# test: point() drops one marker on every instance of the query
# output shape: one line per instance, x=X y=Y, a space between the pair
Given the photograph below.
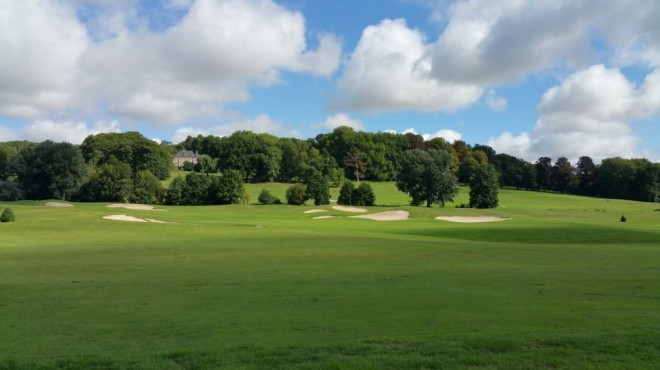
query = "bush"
x=296 y=194
x=7 y=216
x=265 y=197
x=346 y=193
x=364 y=195
x=623 y=219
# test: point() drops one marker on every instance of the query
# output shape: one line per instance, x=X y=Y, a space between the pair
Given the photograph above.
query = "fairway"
x=561 y=284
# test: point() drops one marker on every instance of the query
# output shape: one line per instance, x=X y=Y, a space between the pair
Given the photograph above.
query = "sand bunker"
x=471 y=219
x=386 y=216
x=323 y=217
x=139 y=207
x=316 y=211
x=349 y=209
x=133 y=219
x=58 y=204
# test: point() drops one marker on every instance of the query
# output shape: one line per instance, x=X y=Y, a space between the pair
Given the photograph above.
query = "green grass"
x=563 y=284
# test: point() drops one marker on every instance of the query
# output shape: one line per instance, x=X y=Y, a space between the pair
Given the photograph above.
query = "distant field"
x=563 y=284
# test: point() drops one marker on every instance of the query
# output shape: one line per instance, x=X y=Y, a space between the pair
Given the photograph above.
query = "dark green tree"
x=205 y=164
x=363 y=195
x=49 y=170
x=227 y=189
x=265 y=197
x=563 y=176
x=10 y=191
x=296 y=194
x=426 y=176
x=484 y=187
x=112 y=182
x=147 y=189
x=544 y=173
x=317 y=188
x=586 y=176
x=346 y=193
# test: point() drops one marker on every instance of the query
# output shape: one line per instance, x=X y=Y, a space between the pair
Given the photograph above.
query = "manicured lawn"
x=563 y=284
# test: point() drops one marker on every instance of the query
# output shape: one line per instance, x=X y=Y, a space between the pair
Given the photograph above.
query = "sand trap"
x=139 y=207
x=386 y=216
x=59 y=204
x=132 y=219
x=349 y=209
x=323 y=217
x=471 y=219
x=316 y=211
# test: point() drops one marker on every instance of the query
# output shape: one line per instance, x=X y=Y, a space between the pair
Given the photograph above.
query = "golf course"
x=557 y=282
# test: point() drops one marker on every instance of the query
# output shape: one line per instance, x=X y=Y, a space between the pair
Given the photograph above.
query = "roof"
x=185 y=153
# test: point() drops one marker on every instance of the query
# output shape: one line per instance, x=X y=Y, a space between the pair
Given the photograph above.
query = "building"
x=184 y=156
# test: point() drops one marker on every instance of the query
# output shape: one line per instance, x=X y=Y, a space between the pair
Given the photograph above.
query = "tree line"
x=127 y=167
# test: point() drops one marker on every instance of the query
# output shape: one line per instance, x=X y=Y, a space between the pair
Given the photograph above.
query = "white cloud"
x=61 y=130
x=386 y=72
x=489 y=43
x=8 y=134
x=495 y=102
x=259 y=124
x=341 y=119
x=212 y=56
x=589 y=113
x=447 y=134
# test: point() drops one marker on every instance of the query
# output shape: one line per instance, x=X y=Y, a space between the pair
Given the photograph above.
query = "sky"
x=530 y=78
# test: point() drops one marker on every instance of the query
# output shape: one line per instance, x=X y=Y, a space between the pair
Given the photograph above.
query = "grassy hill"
x=562 y=284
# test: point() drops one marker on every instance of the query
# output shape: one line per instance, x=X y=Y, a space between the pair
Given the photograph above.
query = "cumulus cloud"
x=589 y=113
x=114 y=62
x=8 y=134
x=386 y=72
x=447 y=134
x=495 y=102
x=259 y=124
x=341 y=119
x=69 y=131
x=486 y=44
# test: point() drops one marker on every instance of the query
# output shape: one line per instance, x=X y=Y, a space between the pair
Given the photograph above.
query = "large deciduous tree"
x=426 y=176
x=49 y=170
x=544 y=173
x=563 y=176
x=484 y=187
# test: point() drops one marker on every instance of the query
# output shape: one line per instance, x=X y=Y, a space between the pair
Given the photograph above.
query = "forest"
x=128 y=167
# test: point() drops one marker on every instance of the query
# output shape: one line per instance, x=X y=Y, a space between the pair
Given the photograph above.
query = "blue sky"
x=530 y=78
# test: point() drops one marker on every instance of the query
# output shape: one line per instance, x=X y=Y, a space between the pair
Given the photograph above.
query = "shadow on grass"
x=544 y=235
x=553 y=352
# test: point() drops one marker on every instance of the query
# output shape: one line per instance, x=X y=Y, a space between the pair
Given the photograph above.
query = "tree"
x=296 y=194
x=586 y=176
x=10 y=191
x=228 y=189
x=132 y=148
x=563 y=176
x=146 y=188
x=346 y=193
x=7 y=216
x=426 y=176
x=317 y=188
x=544 y=173
x=49 y=170
x=265 y=197
x=363 y=195
x=354 y=159
x=484 y=187
x=112 y=182
x=205 y=164
x=4 y=159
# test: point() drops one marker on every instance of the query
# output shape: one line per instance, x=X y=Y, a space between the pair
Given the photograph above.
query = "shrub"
x=364 y=195
x=623 y=219
x=346 y=193
x=265 y=197
x=7 y=216
x=296 y=194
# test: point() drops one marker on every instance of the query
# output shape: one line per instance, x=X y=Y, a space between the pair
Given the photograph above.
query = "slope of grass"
x=563 y=284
